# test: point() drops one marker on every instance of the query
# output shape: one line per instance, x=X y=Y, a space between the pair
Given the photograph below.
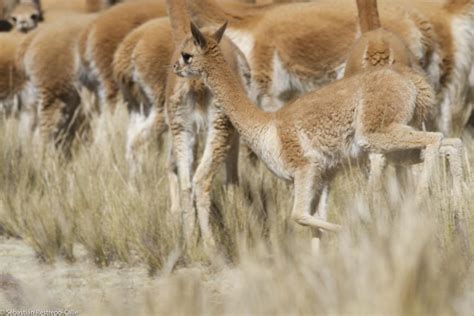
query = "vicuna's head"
x=197 y=51
x=26 y=16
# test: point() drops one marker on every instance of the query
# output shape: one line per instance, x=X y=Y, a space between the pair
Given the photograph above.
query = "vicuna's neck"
x=231 y=97
x=209 y=13
x=368 y=15
x=179 y=18
x=463 y=7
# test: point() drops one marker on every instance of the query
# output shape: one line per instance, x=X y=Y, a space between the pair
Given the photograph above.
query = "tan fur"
x=100 y=41
x=85 y=6
x=46 y=58
x=6 y=7
x=369 y=19
x=50 y=64
x=28 y=13
x=11 y=78
x=327 y=30
x=141 y=66
x=309 y=139
x=377 y=48
x=456 y=65
x=153 y=35
x=187 y=99
x=25 y=17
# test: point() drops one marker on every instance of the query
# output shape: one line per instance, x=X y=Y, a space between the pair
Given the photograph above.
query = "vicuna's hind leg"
x=183 y=142
x=109 y=94
x=377 y=167
x=401 y=137
x=144 y=130
x=28 y=116
x=218 y=143
x=232 y=161
x=59 y=118
x=453 y=149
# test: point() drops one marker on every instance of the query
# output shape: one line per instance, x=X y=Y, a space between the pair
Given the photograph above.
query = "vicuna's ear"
x=199 y=39
x=5 y=26
x=220 y=33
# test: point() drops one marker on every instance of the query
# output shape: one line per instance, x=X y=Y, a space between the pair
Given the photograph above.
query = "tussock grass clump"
x=391 y=257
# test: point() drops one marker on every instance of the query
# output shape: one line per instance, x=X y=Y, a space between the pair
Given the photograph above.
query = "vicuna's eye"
x=187 y=58
x=34 y=17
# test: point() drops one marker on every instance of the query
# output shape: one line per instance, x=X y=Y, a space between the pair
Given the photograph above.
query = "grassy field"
x=82 y=236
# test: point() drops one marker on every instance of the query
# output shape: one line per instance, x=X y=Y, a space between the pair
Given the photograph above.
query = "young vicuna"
x=141 y=69
x=190 y=105
x=308 y=140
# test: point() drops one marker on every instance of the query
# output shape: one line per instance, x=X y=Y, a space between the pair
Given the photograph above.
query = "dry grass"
x=391 y=258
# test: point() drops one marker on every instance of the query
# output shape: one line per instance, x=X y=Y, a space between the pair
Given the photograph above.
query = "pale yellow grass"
x=81 y=235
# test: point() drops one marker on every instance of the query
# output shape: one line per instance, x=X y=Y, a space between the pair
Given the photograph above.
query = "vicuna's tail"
x=369 y=19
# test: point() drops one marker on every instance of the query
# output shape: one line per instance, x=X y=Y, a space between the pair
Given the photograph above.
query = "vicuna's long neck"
x=99 y=5
x=368 y=15
x=178 y=15
x=2 y=9
x=230 y=95
x=94 y=5
x=464 y=7
x=210 y=13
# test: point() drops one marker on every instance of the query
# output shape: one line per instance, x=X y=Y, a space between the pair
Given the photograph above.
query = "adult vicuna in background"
x=307 y=141
x=27 y=14
x=141 y=64
x=100 y=40
x=190 y=106
x=288 y=59
x=438 y=33
x=48 y=58
x=453 y=23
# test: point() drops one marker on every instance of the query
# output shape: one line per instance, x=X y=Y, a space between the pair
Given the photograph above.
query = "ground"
x=83 y=236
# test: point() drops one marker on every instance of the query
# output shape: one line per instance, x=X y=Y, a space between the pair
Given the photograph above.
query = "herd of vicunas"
x=309 y=87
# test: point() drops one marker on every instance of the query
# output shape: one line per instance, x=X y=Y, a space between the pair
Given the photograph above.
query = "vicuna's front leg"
x=183 y=142
x=321 y=208
x=453 y=149
x=232 y=161
x=218 y=142
x=308 y=186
